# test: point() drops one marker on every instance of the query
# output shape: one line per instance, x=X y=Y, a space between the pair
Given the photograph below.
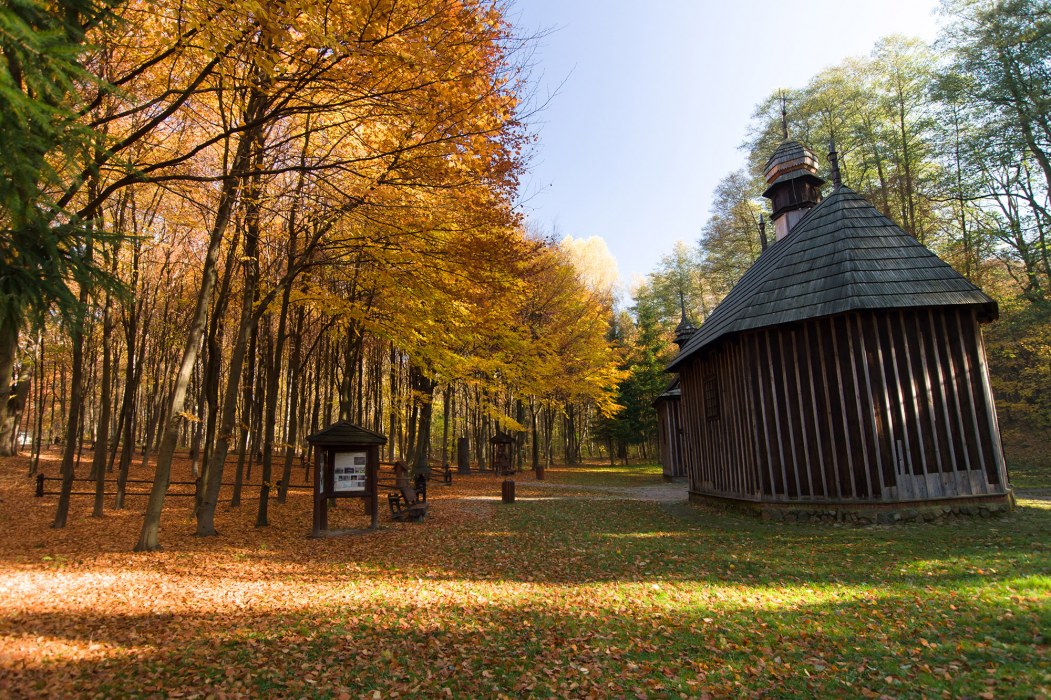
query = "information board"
x=349 y=473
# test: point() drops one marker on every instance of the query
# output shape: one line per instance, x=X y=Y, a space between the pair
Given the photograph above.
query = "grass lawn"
x=556 y=595
x=630 y=475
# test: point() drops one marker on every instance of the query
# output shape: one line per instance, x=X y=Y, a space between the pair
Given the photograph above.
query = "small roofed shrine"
x=502 y=450
x=844 y=376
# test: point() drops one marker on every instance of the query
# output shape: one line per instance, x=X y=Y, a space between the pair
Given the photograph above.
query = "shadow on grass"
x=650 y=642
x=582 y=541
x=568 y=598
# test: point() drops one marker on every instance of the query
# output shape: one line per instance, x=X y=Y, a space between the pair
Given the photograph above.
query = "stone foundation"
x=859 y=514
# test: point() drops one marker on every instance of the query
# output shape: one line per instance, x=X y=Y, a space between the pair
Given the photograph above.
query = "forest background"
x=227 y=225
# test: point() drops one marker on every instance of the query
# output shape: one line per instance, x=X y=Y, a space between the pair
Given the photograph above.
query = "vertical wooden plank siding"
x=995 y=443
x=972 y=399
x=832 y=465
x=737 y=406
x=790 y=421
x=952 y=385
x=918 y=413
x=728 y=409
x=891 y=438
x=943 y=395
x=863 y=448
x=899 y=397
x=801 y=417
x=669 y=425
x=748 y=377
x=874 y=417
x=815 y=415
x=983 y=404
x=720 y=431
x=703 y=456
x=862 y=407
x=933 y=485
x=778 y=432
x=678 y=449
x=962 y=386
x=760 y=373
x=690 y=381
x=842 y=393
x=663 y=443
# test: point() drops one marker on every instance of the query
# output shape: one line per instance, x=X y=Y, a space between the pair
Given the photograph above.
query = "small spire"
x=784 y=115
x=762 y=231
x=833 y=159
x=685 y=329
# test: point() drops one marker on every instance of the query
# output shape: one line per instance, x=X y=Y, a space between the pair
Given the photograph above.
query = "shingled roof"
x=346 y=433
x=674 y=391
x=842 y=256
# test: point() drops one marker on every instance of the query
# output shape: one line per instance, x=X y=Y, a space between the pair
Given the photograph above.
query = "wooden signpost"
x=347 y=460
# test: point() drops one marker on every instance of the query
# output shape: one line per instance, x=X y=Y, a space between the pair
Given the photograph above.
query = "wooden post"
x=372 y=484
x=319 y=501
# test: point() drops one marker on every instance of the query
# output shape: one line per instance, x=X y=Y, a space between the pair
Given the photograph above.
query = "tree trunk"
x=262 y=515
x=148 y=537
x=247 y=411
x=294 y=371
x=98 y=464
x=245 y=340
x=8 y=406
x=446 y=407
x=424 y=388
x=39 y=432
x=76 y=401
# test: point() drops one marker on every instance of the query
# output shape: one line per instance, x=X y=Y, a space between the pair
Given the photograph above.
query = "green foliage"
x=730 y=239
x=877 y=110
x=999 y=54
x=1019 y=348
x=645 y=352
x=44 y=252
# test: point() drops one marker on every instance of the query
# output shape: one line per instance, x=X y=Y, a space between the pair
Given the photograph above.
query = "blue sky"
x=650 y=102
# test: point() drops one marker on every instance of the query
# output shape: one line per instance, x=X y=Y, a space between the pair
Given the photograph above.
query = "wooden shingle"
x=842 y=256
x=346 y=433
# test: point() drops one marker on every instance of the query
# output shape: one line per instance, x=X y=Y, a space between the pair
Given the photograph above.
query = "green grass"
x=578 y=597
x=629 y=475
x=806 y=610
x=1028 y=458
x=1029 y=475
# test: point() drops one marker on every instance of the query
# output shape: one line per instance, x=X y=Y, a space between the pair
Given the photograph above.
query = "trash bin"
x=507 y=490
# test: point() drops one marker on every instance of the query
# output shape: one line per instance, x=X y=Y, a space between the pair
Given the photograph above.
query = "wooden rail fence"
x=41 y=487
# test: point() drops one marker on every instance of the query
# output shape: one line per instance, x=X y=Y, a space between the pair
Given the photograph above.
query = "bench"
x=402 y=510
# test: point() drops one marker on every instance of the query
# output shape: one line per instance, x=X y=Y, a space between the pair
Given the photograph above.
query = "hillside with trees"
x=951 y=141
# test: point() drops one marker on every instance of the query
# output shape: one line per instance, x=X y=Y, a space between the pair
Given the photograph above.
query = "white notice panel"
x=349 y=472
